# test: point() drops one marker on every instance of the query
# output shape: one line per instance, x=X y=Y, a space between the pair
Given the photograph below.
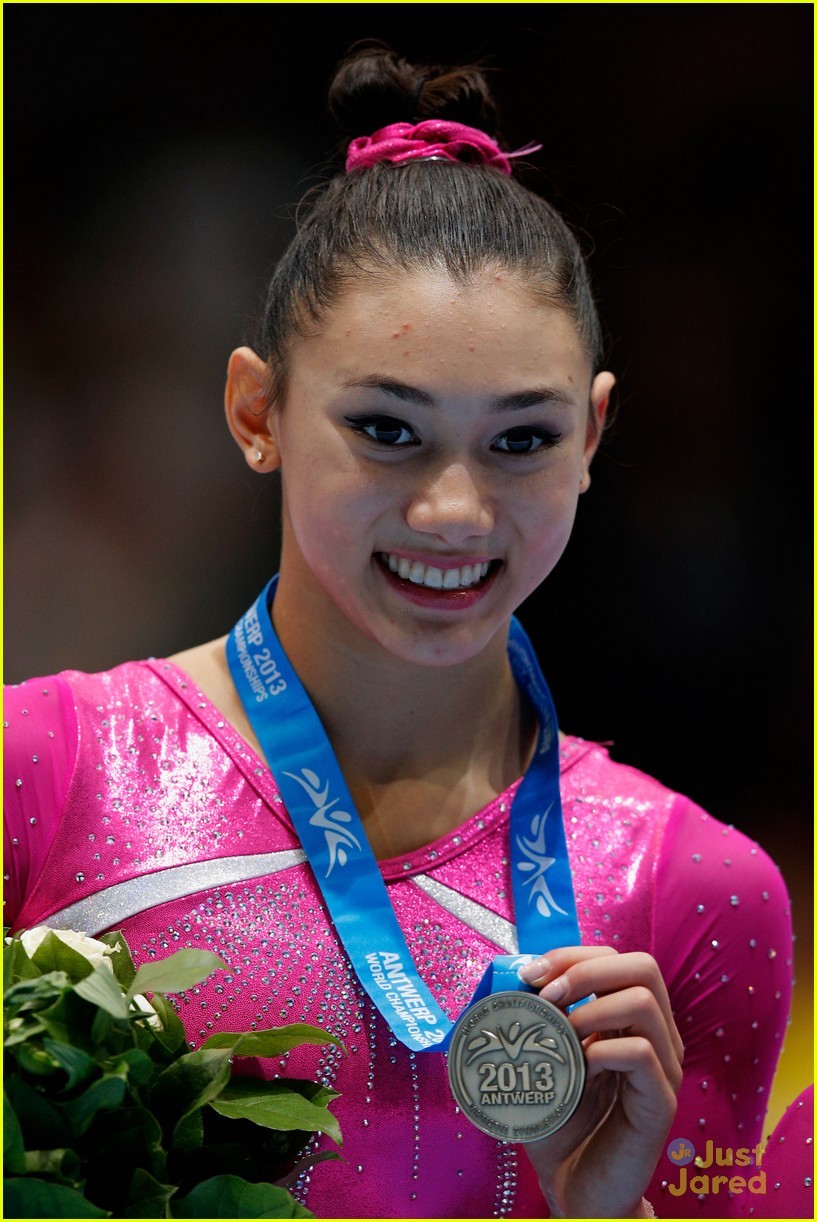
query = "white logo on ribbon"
x=338 y=839
x=536 y=864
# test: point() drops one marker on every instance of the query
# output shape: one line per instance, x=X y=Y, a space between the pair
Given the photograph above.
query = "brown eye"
x=385 y=430
x=524 y=441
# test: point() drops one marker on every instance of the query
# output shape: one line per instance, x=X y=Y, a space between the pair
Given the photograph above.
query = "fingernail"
x=535 y=971
x=555 y=990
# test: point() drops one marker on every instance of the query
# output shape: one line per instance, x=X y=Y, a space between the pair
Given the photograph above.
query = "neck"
x=455 y=735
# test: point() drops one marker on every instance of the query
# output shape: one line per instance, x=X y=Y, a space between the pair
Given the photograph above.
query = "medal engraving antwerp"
x=516 y=1066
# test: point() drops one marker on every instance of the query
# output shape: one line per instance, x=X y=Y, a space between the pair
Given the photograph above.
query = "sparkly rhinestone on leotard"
x=131 y=804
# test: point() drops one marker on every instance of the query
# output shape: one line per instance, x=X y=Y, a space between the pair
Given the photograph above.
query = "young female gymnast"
x=359 y=798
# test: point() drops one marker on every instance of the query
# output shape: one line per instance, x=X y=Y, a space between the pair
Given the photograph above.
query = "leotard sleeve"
x=788 y=1163
x=39 y=753
x=723 y=939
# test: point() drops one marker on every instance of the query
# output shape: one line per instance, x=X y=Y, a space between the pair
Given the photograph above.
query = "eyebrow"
x=534 y=397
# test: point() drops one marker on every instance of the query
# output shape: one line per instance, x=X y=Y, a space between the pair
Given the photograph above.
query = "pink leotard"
x=131 y=804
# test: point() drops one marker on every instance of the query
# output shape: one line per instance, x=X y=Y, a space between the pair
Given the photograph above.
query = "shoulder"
x=78 y=685
x=45 y=720
x=693 y=853
x=721 y=912
x=706 y=856
x=690 y=832
x=720 y=908
x=588 y=766
x=45 y=717
x=609 y=801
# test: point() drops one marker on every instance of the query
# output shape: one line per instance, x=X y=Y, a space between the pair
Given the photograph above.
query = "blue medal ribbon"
x=323 y=813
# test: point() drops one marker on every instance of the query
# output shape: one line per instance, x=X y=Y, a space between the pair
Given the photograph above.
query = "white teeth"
x=433 y=578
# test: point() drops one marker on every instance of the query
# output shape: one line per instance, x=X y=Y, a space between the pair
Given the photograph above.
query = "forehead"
x=429 y=325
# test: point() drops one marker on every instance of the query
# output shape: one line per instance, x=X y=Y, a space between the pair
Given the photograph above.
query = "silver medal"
x=516 y=1066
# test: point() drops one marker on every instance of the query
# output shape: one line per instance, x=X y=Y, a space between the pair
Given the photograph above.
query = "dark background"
x=153 y=157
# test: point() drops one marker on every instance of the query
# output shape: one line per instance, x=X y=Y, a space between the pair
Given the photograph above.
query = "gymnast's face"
x=433 y=444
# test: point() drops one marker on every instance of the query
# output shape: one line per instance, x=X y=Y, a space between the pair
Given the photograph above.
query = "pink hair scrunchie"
x=431 y=138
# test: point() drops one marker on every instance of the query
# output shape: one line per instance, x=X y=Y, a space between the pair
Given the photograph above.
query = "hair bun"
x=373 y=87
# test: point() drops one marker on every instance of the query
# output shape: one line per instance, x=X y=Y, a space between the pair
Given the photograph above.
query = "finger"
x=604 y=974
x=558 y=960
x=647 y=1097
x=632 y=1012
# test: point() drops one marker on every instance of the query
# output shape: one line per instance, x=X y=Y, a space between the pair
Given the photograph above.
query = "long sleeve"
x=787 y=1189
x=723 y=939
x=39 y=752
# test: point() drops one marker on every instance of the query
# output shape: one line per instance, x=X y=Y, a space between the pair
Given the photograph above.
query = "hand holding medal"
x=633 y=1054
x=516 y=1066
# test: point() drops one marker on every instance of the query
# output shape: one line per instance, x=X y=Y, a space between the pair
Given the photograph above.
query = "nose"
x=451 y=505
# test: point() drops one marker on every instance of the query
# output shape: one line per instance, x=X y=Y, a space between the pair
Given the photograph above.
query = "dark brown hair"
x=425 y=214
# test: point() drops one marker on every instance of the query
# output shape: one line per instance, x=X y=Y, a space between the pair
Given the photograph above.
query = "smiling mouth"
x=467 y=577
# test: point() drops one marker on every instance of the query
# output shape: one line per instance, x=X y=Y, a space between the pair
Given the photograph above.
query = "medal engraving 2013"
x=516 y=1066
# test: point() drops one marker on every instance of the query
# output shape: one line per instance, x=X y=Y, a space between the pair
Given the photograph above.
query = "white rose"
x=92 y=950
x=141 y=1002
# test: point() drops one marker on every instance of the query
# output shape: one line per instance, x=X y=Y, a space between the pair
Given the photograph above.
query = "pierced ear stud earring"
x=259 y=455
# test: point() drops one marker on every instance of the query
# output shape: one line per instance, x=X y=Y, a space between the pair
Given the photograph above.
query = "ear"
x=600 y=391
x=248 y=415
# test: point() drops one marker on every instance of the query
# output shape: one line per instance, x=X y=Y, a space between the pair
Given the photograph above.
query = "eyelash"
x=362 y=425
x=367 y=425
x=523 y=434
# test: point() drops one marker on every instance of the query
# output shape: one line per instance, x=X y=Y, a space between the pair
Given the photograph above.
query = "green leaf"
x=108 y=1092
x=179 y=971
x=67 y=1021
x=147 y=1198
x=132 y=1064
x=29 y=1197
x=16 y=964
x=77 y=1064
x=228 y=1196
x=60 y=1164
x=128 y=1137
x=129 y=1127
x=121 y=961
x=54 y=955
x=189 y=1134
x=104 y=1028
x=269 y=1043
x=102 y=989
x=171 y=1035
x=23 y=1027
x=316 y=1092
x=43 y=1125
x=33 y=1059
x=13 y=1145
x=276 y=1105
x=190 y=1082
x=35 y=994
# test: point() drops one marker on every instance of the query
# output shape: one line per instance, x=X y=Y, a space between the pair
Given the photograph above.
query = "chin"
x=440 y=649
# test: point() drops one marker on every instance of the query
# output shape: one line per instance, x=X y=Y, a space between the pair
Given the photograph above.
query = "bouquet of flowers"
x=108 y=1113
